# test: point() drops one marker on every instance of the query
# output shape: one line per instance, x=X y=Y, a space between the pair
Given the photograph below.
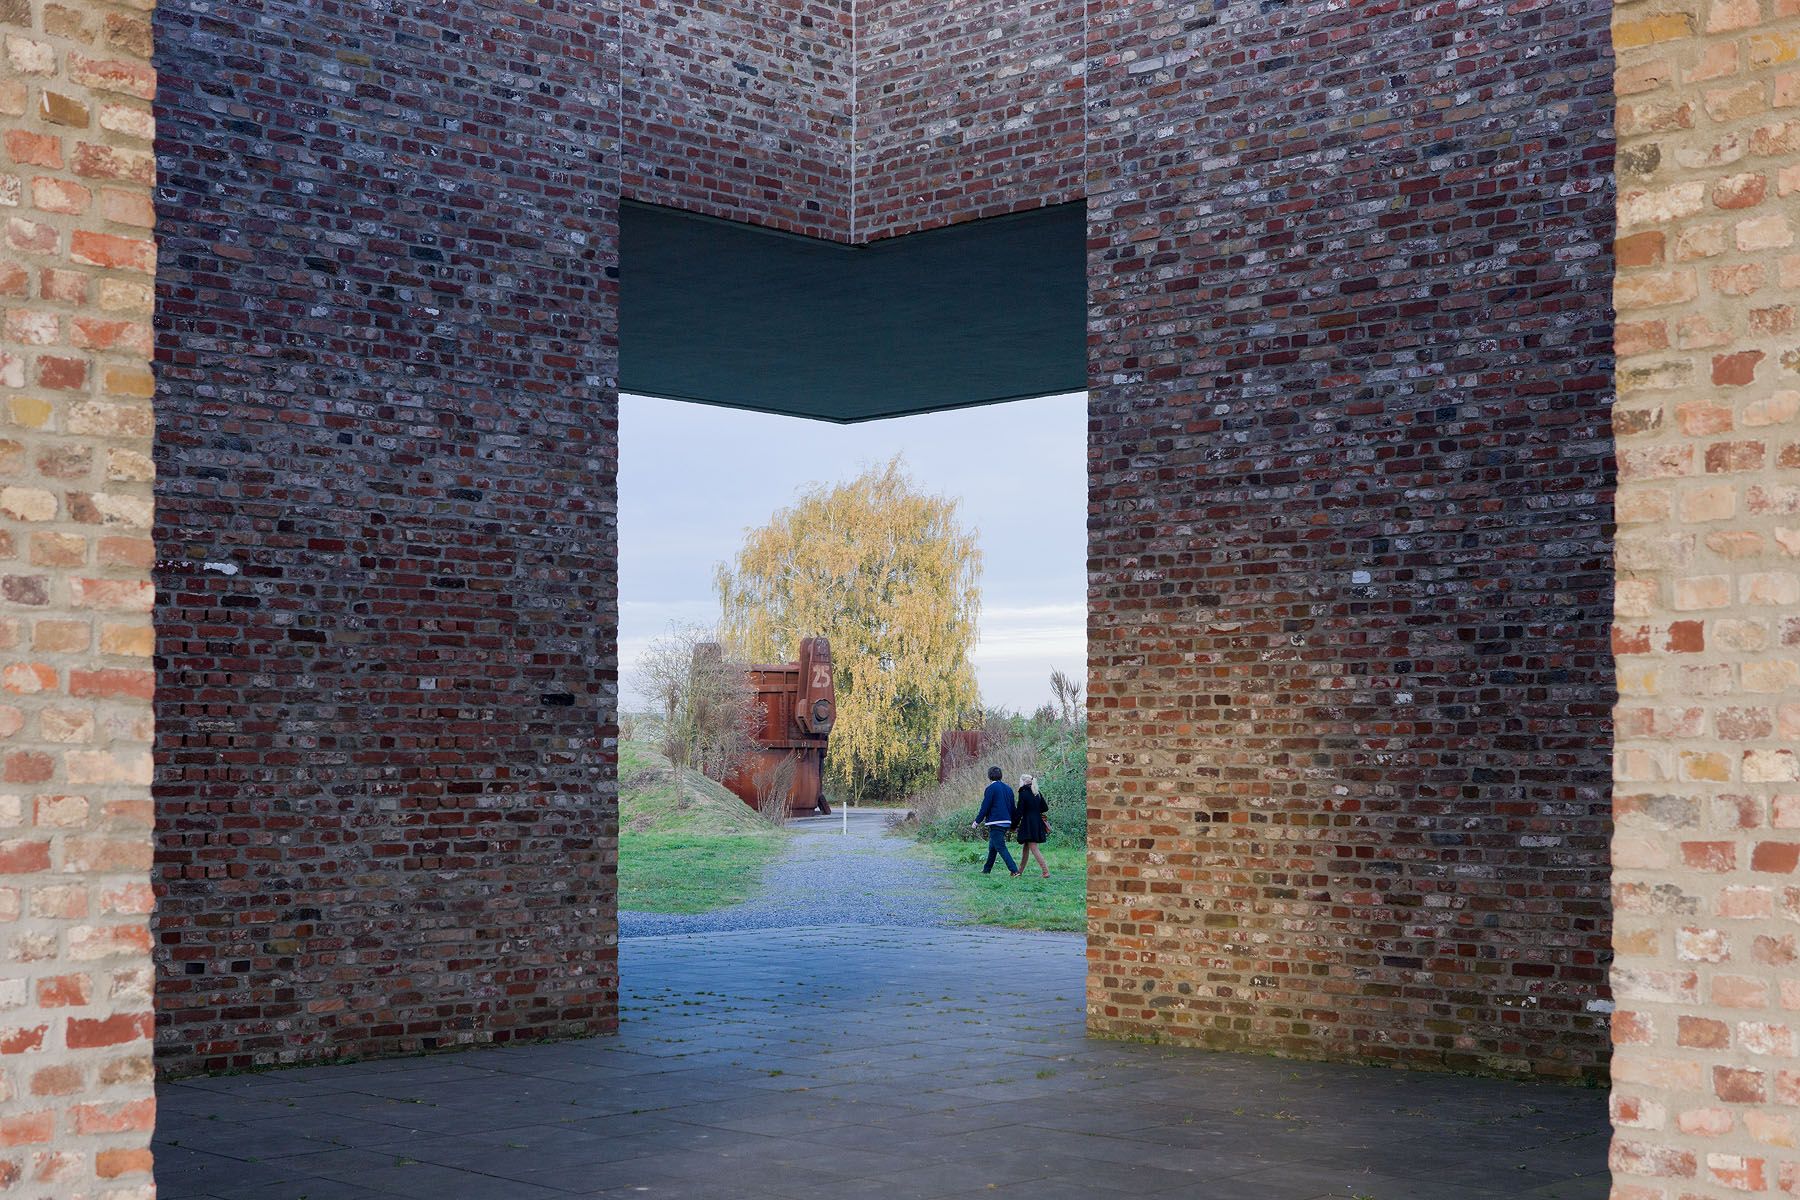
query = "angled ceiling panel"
x=733 y=314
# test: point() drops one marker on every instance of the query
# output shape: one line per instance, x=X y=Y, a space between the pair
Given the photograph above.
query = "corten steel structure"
x=1348 y=271
x=959 y=748
x=796 y=706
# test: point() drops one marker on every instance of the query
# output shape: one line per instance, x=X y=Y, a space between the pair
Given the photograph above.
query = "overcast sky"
x=693 y=478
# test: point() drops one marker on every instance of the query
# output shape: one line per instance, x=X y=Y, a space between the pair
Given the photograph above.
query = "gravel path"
x=826 y=877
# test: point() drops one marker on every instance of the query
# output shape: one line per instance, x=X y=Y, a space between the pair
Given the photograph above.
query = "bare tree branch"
x=706 y=711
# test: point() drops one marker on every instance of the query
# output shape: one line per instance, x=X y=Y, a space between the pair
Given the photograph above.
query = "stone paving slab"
x=849 y=1061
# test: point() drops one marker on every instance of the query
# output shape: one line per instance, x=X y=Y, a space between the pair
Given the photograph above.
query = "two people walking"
x=1003 y=812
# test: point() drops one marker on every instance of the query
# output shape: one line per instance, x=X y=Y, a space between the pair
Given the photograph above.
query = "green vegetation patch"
x=1029 y=902
x=685 y=849
x=649 y=801
x=1056 y=751
x=691 y=872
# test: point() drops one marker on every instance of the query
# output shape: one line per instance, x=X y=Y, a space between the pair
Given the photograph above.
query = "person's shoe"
x=1016 y=874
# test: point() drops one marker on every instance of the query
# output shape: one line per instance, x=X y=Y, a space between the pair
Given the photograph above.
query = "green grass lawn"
x=685 y=849
x=1030 y=902
x=691 y=872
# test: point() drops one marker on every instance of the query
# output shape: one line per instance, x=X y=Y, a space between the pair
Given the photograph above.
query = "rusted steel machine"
x=959 y=748
x=796 y=704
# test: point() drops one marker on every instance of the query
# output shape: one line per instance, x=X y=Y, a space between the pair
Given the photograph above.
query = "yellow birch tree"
x=893 y=579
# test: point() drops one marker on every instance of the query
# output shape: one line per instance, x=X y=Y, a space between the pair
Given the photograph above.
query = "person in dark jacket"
x=997 y=814
x=1033 y=823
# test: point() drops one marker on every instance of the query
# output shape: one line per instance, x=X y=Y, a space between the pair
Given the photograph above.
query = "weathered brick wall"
x=1351 y=483
x=75 y=597
x=386 y=443
x=1351 y=571
x=853 y=121
x=741 y=109
x=966 y=109
x=1707 y=1068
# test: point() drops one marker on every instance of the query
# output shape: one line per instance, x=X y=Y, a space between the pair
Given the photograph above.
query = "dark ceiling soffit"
x=856 y=420
x=740 y=316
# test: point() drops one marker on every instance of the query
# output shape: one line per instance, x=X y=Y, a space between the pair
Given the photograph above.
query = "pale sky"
x=694 y=478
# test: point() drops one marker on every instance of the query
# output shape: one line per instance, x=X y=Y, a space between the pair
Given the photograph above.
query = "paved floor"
x=827 y=877
x=856 y=1062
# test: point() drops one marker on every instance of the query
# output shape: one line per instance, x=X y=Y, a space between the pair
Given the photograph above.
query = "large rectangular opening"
x=941 y=558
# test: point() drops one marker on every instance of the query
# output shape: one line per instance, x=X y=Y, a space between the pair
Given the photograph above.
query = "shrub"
x=1063 y=781
x=1056 y=754
x=774 y=783
x=961 y=791
x=951 y=827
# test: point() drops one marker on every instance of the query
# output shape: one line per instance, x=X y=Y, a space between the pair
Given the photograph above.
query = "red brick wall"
x=1351 y=568
x=386 y=441
x=965 y=110
x=741 y=109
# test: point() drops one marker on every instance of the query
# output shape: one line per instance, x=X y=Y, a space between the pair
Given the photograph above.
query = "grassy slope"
x=688 y=850
x=1030 y=902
